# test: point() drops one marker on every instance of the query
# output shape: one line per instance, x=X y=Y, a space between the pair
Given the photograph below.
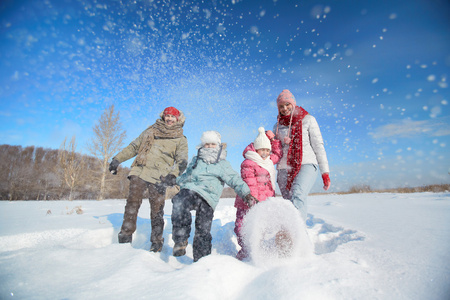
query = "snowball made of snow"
x=273 y=230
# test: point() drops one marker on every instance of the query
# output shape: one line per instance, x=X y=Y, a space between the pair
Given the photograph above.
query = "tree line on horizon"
x=37 y=173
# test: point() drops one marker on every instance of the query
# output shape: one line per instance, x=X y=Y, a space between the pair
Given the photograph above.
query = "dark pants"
x=183 y=203
x=134 y=201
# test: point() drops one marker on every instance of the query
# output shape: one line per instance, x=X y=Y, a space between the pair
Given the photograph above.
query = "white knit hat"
x=262 y=141
x=210 y=137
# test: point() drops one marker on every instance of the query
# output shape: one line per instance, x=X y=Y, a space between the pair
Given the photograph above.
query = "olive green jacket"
x=165 y=156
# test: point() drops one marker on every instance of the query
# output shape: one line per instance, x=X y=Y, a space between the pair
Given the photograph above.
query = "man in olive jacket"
x=161 y=155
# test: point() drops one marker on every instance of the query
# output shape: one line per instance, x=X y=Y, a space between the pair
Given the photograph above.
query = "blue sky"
x=373 y=73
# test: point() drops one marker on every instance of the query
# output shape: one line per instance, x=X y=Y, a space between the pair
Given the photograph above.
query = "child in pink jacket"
x=258 y=171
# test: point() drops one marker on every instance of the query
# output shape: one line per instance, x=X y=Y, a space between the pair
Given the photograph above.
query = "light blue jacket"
x=208 y=180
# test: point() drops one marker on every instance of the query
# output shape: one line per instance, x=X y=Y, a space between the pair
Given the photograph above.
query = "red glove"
x=270 y=134
x=326 y=181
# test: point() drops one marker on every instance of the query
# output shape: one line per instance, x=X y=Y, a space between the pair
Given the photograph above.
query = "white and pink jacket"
x=258 y=178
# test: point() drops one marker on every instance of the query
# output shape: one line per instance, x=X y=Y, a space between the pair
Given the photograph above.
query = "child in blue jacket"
x=200 y=189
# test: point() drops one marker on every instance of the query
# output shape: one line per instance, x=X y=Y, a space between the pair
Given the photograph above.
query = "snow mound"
x=275 y=232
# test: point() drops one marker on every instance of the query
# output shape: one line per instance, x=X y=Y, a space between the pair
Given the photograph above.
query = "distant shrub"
x=433 y=188
x=76 y=209
x=360 y=189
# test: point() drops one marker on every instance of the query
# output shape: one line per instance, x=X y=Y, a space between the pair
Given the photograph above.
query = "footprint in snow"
x=327 y=237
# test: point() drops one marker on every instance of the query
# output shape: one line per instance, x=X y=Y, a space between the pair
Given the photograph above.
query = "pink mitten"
x=270 y=134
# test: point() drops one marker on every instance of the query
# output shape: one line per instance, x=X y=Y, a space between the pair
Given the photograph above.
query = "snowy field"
x=366 y=246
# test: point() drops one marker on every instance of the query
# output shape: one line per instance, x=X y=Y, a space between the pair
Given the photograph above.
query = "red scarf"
x=295 y=153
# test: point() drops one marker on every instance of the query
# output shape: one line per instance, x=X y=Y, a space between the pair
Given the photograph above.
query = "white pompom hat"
x=210 y=137
x=262 y=141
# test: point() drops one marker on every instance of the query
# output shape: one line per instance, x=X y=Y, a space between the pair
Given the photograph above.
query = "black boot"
x=125 y=238
x=157 y=247
x=180 y=248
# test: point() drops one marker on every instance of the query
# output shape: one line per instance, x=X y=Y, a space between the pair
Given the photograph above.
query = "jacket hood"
x=250 y=147
x=223 y=154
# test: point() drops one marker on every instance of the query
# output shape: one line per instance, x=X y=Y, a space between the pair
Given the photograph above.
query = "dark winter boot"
x=242 y=255
x=156 y=236
x=157 y=247
x=180 y=248
x=125 y=238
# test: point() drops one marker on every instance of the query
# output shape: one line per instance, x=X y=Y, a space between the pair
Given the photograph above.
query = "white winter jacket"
x=313 y=149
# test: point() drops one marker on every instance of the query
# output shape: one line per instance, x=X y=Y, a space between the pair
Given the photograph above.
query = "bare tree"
x=44 y=178
x=107 y=140
x=71 y=165
x=52 y=166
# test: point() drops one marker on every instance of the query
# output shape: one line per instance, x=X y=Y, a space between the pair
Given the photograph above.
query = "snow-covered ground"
x=366 y=246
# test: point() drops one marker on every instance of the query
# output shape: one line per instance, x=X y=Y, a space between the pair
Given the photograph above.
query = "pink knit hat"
x=286 y=97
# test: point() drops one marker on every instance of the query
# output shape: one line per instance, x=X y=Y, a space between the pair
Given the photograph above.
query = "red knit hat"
x=172 y=111
x=286 y=97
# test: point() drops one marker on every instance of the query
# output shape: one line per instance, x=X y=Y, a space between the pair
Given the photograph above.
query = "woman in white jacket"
x=303 y=152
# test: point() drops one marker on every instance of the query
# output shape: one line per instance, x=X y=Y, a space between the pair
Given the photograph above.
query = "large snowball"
x=274 y=231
